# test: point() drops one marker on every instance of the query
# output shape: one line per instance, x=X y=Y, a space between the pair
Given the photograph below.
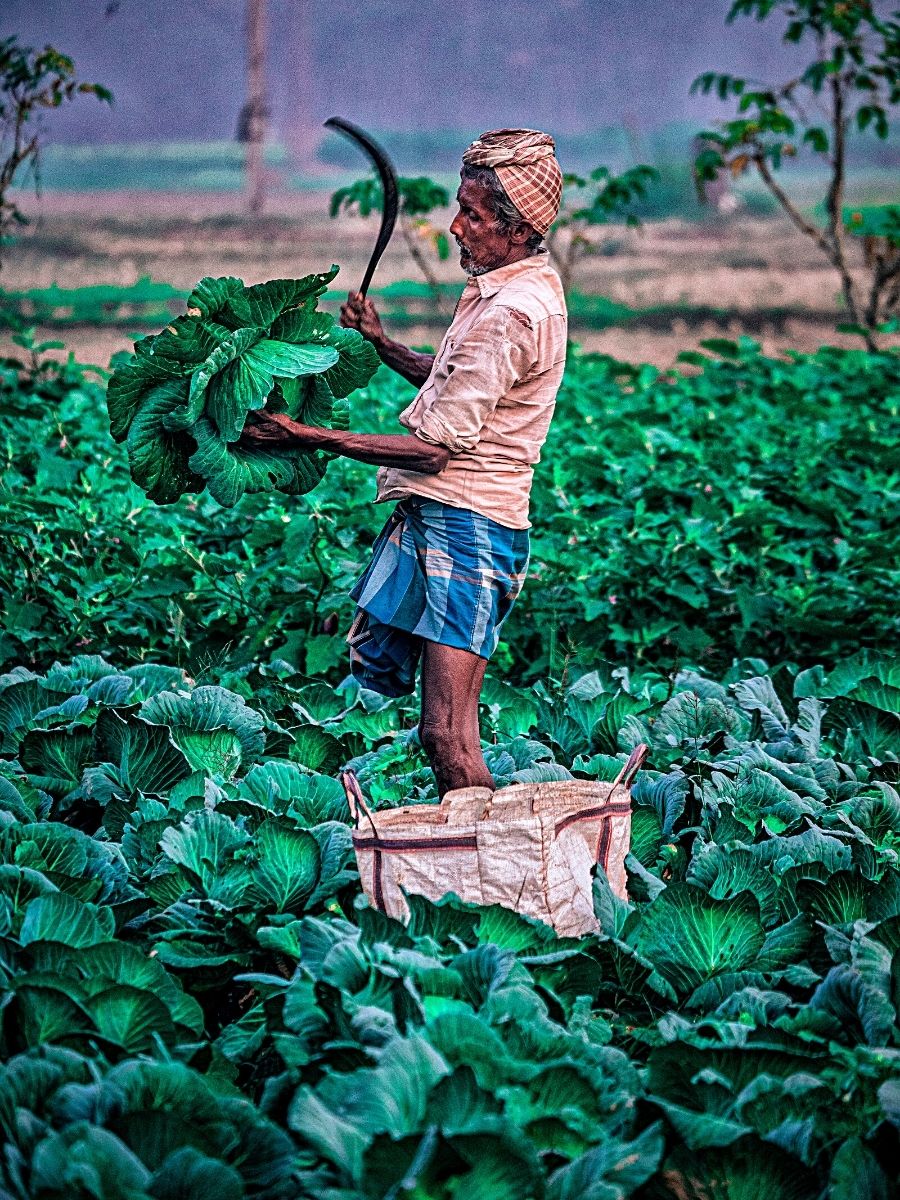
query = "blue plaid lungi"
x=438 y=574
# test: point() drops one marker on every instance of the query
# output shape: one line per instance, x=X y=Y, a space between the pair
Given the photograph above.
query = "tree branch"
x=422 y=263
x=807 y=227
x=836 y=202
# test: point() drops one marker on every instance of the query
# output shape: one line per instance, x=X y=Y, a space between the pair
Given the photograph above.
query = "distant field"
x=218 y=166
x=649 y=294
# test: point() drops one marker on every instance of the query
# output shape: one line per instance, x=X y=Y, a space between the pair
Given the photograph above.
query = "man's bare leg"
x=448 y=728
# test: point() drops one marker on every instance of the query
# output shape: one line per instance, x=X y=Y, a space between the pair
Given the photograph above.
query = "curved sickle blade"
x=388 y=185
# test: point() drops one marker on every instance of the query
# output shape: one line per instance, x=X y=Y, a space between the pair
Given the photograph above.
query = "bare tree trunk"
x=303 y=132
x=835 y=205
x=825 y=243
x=566 y=254
x=256 y=104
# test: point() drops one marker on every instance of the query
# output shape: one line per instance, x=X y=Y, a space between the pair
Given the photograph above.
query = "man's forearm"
x=381 y=450
x=412 y=365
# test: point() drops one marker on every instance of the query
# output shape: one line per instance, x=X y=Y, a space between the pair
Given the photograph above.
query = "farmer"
x=451 y=559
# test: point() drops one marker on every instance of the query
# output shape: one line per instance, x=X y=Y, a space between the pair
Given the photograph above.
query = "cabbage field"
x=197 y=1001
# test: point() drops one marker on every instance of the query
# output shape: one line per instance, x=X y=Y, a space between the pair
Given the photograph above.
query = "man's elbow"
x=437 y=459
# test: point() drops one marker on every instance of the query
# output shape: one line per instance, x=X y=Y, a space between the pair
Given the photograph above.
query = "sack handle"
x=355 y=800
x=636 y=760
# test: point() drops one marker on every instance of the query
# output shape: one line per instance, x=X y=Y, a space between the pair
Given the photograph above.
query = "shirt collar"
x=490 y=283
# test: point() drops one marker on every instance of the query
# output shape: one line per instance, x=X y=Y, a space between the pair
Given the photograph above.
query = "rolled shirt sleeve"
x=492 y=357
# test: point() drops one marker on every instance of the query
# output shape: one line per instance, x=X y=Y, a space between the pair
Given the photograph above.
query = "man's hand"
x=260 y=432
x=275 y=431
x=358 y=312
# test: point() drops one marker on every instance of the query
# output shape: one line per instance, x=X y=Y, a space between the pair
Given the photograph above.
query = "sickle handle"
x=388 y=185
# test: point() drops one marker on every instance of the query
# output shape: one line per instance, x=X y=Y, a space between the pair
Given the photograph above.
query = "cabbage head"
x=179 y=403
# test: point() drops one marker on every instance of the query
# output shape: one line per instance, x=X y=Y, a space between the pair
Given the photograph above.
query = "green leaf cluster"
x=195 y=996
x=609 y=197
x=855 y=52
x=181 y=401
x=850 y=85
x=418 y=196
x=740 y=505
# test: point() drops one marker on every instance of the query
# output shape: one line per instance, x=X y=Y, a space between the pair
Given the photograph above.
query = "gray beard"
x=473 y=268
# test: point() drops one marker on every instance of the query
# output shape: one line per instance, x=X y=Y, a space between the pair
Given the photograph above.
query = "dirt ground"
x=769 y=278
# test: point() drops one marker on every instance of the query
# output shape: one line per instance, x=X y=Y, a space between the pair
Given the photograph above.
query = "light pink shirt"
x=491 y=393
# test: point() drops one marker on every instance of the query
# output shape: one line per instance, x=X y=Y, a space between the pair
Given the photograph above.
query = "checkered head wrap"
x=525 y=162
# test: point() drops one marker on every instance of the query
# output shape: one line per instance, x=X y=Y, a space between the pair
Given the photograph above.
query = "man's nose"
x=456 y=225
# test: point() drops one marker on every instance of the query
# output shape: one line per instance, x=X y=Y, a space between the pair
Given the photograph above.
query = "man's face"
x=481 y=245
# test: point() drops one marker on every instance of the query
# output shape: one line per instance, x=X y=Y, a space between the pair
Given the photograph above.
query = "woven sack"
x=530 y=847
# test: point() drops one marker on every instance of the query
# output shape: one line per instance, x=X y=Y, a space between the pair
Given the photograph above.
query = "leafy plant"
x=29 y=81
x=195 y=996
x=851 y=83
x=418 y=198
x=146 y=302
x=137 y=1129
x=743 y=507
x=600 y=199
x=181 y=401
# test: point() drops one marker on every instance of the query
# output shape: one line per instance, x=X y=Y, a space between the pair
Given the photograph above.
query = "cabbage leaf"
x=181 y=401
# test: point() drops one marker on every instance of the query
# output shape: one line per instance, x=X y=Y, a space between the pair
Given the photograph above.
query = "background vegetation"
x=196 y=996
x=740 y=506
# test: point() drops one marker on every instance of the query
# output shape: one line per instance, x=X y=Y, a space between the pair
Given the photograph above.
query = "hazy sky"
x=177 y=69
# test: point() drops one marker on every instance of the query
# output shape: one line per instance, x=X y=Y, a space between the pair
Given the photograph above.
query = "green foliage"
x=745 y=508
x=881 y=221
x=196 y=999
x=605 y=197
x=181 y=400
x=851 y=83
x=599 y=199
x=690 y=511
x=855 y=50
x=419 y=197
x=30 y=80
x=146 y=302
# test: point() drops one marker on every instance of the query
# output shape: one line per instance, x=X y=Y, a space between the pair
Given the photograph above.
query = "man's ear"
x=520 y=234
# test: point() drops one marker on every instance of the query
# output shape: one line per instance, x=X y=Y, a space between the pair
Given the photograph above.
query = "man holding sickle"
x=453 y=555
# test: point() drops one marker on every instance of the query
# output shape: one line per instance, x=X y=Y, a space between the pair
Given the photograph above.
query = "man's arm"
x=275 y=431
x=359 y=313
